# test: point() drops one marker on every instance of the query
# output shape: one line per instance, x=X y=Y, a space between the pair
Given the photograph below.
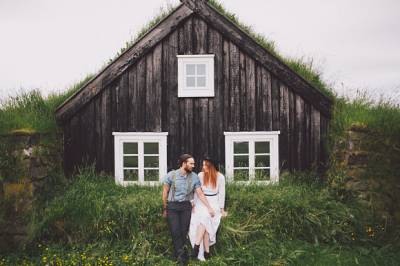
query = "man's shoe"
x=195 y=251
x=207 y=255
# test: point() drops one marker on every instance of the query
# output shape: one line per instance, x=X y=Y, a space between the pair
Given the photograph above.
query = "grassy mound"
x=95 y=221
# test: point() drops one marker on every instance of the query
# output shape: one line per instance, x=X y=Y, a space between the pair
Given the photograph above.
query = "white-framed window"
x=252 y=156
x=140 y=158
x=196 y=75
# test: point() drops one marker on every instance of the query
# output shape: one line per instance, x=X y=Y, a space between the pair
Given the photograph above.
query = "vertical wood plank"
x=299 y=131
x=216 y=105
x=316 y=130
x=265 y=94
x=200 y=115
x=292 y=130
x=141 y=87
x=67 y=143
x=275 y=103
x=227 y=86
x=185 y=46
x=323 y=143
x=173 y=117
x=89 y=129
x=123 y=109
x=157 y=88
x=251 y=94
x=284 y=137
x=133 y=99
x=98 y=137
x=235 y=83
x=114 y=88
x=75 y=143
x=83 y=138
x=258 y=106
x=307 y=135
x=106 y=131
x=150 y=124
x=243 y=126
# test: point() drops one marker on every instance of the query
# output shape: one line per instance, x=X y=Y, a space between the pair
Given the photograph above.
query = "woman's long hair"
x=210 y=176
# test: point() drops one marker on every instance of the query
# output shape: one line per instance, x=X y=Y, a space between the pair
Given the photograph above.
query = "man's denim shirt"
x=181 y=192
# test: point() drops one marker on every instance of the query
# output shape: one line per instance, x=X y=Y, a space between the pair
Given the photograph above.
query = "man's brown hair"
x=183 y=159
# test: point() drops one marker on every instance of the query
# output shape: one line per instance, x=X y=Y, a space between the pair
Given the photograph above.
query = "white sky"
x=51 y=44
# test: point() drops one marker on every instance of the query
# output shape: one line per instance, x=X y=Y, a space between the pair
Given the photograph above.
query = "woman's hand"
x=164 y=213
x=211 y=212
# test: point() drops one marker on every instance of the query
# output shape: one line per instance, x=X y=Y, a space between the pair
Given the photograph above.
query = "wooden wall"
x=247 y=98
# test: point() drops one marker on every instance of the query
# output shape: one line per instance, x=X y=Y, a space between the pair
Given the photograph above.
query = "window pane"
x=262 y=174
x=150 y=161
x=130 y=148
x=240 y=147
x=262 y=161
x=241 y=174
x=131 y=175
x=190 y=82
x=190 y=69
x=262 y=147
x=151 y=148
x=151 y=175
x=241 y=161
x=201 y=81
x=130 y=161
x=201 y=69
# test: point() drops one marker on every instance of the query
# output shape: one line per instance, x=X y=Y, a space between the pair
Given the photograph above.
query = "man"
x=178 y=190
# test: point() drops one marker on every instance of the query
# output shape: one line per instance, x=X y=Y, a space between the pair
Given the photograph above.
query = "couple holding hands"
x=193 y=205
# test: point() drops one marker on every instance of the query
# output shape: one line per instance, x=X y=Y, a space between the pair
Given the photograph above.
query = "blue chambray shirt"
x=181 y=192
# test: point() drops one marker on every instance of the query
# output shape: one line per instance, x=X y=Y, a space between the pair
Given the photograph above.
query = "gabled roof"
x=227 y=28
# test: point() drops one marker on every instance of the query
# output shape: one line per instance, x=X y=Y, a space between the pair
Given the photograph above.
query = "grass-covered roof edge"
x=301 y=69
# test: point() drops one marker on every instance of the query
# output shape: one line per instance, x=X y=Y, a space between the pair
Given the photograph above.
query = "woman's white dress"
x=200 y=214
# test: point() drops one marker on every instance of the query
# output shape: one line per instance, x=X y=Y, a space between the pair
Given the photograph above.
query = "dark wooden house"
x=195 y=83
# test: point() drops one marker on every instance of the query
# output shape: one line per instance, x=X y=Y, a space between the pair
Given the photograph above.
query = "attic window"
x=196 y=75
x=252 y=156
x=140 y=158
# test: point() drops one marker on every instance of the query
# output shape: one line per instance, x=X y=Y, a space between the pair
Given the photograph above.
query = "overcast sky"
x=51 y=44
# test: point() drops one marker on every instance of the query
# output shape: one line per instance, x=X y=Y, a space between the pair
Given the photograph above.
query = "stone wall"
x=28 y=162
x=366 y=167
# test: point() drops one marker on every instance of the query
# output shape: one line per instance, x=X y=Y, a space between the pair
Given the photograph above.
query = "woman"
x=203 y=227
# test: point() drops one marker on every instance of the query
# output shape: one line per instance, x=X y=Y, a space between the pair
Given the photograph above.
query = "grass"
x=94 y=221
x=32 y=112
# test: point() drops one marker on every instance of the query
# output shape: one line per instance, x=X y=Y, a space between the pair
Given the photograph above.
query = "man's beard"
x=188 y=170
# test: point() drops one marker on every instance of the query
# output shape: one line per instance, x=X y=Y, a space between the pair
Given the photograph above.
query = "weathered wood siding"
x=247 y=98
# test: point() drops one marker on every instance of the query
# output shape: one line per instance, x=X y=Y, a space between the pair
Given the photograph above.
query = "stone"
x=357 y=185
x=38 y=172
x=358 y=158
x=11 y=189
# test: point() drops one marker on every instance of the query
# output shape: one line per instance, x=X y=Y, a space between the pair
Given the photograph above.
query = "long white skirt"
x=200 y=215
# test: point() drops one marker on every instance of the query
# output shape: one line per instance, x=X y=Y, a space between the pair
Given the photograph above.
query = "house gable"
x=168 y=25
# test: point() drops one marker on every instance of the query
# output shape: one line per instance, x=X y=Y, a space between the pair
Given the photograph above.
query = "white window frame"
x=140 y=137
x=208 y=90
x=252 y=137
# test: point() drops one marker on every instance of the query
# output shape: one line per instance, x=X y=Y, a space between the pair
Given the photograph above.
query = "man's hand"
x=223 y=213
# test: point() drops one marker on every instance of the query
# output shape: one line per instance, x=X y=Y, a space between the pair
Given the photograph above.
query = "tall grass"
x=31 y=111
x=380 y=115
x=95 y=211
